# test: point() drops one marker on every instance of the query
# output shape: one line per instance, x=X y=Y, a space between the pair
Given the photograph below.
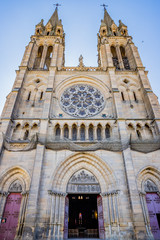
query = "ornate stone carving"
x=149 y=186
x=15 y=187
x=82 y=101
x=83 y=182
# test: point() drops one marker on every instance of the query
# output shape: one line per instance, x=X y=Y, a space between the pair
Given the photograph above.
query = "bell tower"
x=117 y=54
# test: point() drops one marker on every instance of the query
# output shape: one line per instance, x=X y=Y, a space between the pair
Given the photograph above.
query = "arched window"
x=38 y=58
x=58 y=132
x=99 y=133
x=16 y=132
x=124 y=58
x=90 y=133
x=82 y=133
x=66 y=132
x=139 y=134
x=107 y=131
x=48 y=57
x=114 y=57
x=148 y=131
x=26 y=135
x=34 y=129
x=74 y=133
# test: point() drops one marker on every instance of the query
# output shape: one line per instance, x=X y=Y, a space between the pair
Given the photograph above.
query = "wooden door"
x=100 y=217
x=66 y=216
x=153 y=204
x=10 y=216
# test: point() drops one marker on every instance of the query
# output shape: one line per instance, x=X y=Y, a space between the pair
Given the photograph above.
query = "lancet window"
x=38 y=58
x=114 y=57
x=124 y=58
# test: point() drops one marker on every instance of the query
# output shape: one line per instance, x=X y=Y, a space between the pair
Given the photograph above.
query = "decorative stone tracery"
x=82 y=101
x=83 y=182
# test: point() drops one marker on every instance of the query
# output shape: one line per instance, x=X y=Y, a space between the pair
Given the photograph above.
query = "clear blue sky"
x=81 y=21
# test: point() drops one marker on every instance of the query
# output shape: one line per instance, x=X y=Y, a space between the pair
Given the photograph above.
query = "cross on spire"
x=57 y=5
x=104 y=5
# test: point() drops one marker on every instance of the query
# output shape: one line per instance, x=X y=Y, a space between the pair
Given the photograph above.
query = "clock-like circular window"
x=82 y=101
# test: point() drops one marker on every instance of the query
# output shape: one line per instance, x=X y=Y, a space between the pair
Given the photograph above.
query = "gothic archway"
x=148 y=182
x=59 y=184
x=14 y=185
x=83 y=207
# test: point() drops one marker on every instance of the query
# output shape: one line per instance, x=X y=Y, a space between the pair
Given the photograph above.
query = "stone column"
x=3 y=197
x=61 y=216
x=145 y=214
x=70 y=132
x=32 y=205
x=103 y=132
x=95 y=133
x=43 y=58
x=86 y=132
x=28 y=53
x=54 y=55
x=108 y=55
x=78 y=132
x=137 y=213
x=112 y=223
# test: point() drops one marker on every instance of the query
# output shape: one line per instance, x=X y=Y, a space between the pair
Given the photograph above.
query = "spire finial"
x=57 y=5
x=104 y=5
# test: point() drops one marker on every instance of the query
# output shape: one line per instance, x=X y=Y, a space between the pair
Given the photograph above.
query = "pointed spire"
x=107 y=19
x=54 y=20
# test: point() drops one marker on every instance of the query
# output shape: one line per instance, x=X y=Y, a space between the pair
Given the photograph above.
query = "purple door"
x=10 y=216
x=100 y=217
x=66 y=212
x=153 y=204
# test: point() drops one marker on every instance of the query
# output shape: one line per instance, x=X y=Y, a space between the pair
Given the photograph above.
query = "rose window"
x=82 y=101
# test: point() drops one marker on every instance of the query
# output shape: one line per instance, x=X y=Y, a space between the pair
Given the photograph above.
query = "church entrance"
x=83 y=207
x=83 y=216
x=9 y=220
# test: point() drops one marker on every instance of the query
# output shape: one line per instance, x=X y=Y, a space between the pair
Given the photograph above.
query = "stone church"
x=80 y=146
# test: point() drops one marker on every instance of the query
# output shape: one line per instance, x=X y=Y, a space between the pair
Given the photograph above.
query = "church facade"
x=80 y=145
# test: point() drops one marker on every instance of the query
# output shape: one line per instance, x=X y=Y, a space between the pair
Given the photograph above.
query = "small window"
x=114 y=33
x=58 y=131
x=122 y=95
x=90 y=131
x=66 y=132
x=107 y=131
x=29 y=96
x=104 y=31
x=74 y=133
x=135 y=98
x=139 y=134
x=99 y=133
x=41 y=96
x=82 y=133
x=37 y=30
x=58 y=31
x=47 y=33
x=37 y=81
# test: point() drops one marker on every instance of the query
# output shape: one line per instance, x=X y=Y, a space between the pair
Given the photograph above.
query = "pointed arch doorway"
x=83 y=207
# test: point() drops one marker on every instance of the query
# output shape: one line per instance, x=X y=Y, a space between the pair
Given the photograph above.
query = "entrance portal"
x=83 y=216
x=83 y=207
